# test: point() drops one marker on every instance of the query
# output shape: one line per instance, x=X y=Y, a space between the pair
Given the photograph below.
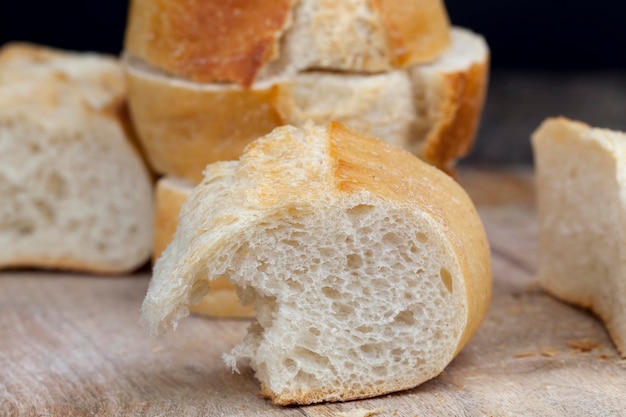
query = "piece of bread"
x=244 y=41
x=581 y=183
x=369 y=269
x=432 y=110
x=75 y=193
x=222 y=300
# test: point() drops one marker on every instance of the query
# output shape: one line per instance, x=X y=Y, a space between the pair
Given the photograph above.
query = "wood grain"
x=71 y=345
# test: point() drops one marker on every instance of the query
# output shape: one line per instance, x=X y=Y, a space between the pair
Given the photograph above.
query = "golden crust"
x=234 y=40
x=417 y=31
x=222 y=300
x=207 y=41
x=465 y=97
x=207 y=125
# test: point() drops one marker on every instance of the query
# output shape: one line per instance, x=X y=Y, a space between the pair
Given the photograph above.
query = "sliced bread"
x=369 y=269
x=222 y=300
x=432 y=110
x=244 y=41
x=581 y=184
x=75 y=193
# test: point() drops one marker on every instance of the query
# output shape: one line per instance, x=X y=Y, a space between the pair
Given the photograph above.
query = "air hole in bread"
x=421 y=237
x=315 y=331
x=331 y=293
x=56 y=186
x=198 y=291
x=360 y=210
x=446 y=278
x=342 y=309
x=45 y=210
x=406 y=318
x=354 y=261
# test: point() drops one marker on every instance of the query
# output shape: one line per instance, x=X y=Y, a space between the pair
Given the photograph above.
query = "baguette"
x=432 y=110
x=369 y=269
x=75 y=193
x=243 y=42
x=222 y=300
x=581 y=183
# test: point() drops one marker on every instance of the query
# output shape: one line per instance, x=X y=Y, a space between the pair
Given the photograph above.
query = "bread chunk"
x=75 y=193
x=432 y=110
x=243 y=42
x=581 y=184
x=368 y=268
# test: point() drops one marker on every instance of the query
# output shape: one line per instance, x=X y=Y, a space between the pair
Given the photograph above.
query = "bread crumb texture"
x=75 y=194
x=581 y=184
x=368 y=268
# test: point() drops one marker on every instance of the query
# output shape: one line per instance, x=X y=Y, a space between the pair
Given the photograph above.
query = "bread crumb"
x=157 y=349
x=549 y=352
x=603 y=357
x=359 y=412
x=582 y=345
x=524 y=354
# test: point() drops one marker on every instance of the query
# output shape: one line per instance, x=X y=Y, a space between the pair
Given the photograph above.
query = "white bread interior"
x=432 y=110
x=581 y=189
x=75 y=193
x=368 y=268
x=222 y=299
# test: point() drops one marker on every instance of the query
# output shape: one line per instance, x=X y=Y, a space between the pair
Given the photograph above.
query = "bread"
x=369 y=269
x=581 y=183
x=432 y=110
x=243 y=42
x=222 y=300
x=75 y=193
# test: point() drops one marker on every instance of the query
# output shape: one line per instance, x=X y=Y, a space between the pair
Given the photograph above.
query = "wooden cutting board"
x=71 y=345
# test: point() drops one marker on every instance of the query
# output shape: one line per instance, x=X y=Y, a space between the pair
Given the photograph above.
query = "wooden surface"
x=70 y=345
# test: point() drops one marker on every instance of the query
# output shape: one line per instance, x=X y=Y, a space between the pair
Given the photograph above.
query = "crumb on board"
x=582 y=345
x=524 y=354
x=549 y=352
x=359 y=412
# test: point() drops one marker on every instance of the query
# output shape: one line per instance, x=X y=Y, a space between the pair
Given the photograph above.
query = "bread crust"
x=417 y=31
x=235 y=40
x=453 y=137
x=218 y=121
x=207 y=41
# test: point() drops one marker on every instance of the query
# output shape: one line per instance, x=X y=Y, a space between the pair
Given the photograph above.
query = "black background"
x=529 y=34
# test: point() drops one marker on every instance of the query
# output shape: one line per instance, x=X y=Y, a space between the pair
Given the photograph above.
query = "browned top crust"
x=207 y=41
x=417 y=31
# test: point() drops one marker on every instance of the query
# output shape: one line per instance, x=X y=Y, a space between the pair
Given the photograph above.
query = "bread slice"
x=222 y=300
x=243 y=42
x=432 y=110
x=581 y=183
x=369 y=269
x=75 y=194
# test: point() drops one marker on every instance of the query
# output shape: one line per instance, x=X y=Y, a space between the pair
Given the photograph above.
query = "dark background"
x=548 y=57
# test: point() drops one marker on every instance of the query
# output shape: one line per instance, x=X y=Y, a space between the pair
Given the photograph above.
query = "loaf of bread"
x=244 y=41
x=222 y=300
x=432 y=110
x=369 y=269
x=75 y=193
x=581 y=184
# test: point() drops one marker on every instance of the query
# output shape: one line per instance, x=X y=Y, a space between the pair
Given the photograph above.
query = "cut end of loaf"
x=75 y=195
x=359 y=285
x=581 y=178
x=355 y=301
